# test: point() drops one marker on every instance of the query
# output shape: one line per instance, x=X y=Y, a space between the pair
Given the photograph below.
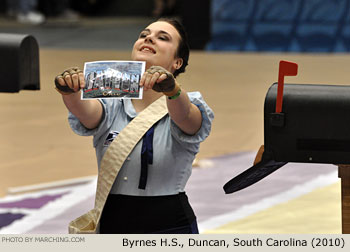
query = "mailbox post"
x=344 y=175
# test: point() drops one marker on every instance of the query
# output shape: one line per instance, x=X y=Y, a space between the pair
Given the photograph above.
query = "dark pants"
x=170 y=214
x=189 y=229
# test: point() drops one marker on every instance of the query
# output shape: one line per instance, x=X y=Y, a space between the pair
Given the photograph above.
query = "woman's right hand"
x=88 y=112
x=70 y=81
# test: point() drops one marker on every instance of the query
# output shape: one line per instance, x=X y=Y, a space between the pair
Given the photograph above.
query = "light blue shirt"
x=173 y=150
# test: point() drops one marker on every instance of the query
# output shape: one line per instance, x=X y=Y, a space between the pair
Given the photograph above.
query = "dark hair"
x=183 y=50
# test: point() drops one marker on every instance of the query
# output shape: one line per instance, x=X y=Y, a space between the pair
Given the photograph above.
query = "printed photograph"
x=113 y=79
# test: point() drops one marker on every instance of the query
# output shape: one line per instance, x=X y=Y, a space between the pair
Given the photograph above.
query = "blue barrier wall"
x=280 y=25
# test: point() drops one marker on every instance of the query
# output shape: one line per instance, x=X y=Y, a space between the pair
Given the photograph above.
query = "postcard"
x=113 y=79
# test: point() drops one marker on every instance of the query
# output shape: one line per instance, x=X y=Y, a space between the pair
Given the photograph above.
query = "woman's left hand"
x=158 y=79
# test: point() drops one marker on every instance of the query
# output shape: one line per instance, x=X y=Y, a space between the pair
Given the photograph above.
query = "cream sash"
x=113 y=160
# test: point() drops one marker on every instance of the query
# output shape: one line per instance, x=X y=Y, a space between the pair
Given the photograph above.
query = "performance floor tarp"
x=37 y=145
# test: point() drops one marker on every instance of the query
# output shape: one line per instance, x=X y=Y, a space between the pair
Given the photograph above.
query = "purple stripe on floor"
x=59 y=224
x=32 y=203
x=7 y=218
x=208 y=198
x=204 y=190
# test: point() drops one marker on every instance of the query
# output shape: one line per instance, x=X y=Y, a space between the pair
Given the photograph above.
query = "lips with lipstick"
x=147 y=49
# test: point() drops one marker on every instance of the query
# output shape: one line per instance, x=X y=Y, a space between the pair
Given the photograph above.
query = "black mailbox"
x=314 y=126
x=302 y=123
x=19 y=63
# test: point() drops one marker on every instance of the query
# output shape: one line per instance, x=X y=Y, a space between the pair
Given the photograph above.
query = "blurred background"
x=69 y=16
x=236 y=46
x=216 y=25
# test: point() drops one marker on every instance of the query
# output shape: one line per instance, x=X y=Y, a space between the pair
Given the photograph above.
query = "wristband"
x=174 y=91
x=175 y=96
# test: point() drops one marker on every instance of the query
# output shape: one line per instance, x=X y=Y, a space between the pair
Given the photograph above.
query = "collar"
x=129 y=108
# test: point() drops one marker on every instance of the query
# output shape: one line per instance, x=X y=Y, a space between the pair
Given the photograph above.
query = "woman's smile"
x=147 y=49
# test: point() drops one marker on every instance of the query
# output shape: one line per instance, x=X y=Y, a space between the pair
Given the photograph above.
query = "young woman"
x=159 y=203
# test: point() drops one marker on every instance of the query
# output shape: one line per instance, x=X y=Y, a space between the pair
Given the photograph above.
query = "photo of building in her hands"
x=113 y=79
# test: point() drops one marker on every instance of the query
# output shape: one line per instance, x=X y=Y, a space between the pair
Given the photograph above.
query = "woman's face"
x=157 y=45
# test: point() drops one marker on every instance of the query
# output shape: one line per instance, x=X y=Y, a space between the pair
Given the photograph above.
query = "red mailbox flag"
x=286 y=68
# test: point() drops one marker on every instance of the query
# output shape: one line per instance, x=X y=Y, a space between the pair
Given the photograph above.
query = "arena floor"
x=37 y=145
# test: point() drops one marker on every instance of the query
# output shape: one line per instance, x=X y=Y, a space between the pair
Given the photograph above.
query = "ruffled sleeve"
x=193 y=141
x=110 y=107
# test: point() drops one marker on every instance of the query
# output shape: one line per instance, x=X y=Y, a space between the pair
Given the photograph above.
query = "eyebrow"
x=161 y=31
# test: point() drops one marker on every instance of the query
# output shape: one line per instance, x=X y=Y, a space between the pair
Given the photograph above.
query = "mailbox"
x=306 y=123
x=19 y=63
x=303 y=123
x=313 y=127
